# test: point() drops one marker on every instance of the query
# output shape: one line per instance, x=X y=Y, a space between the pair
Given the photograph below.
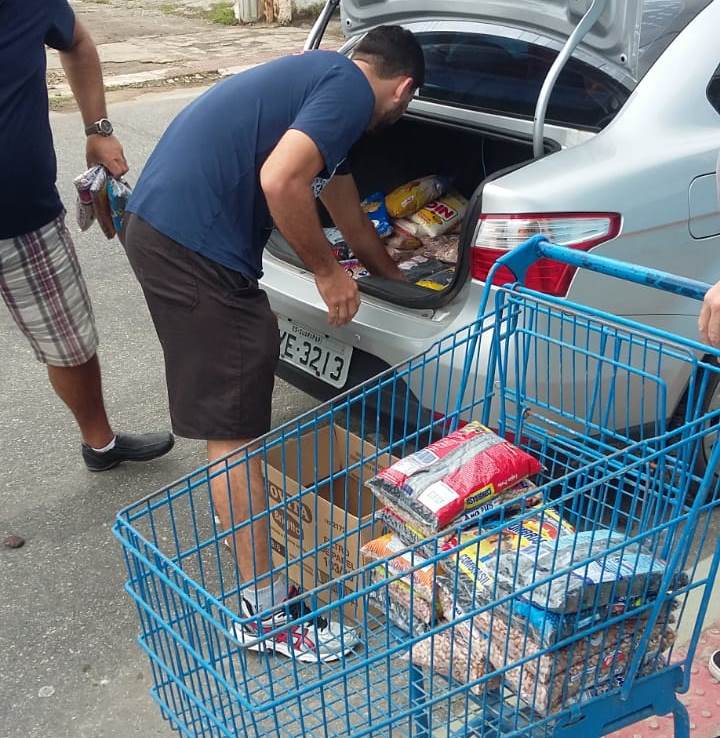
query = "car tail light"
x=498 y=234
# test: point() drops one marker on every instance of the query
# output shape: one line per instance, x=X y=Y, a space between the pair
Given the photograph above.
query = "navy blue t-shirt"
x=201 y=185
x=28 y=197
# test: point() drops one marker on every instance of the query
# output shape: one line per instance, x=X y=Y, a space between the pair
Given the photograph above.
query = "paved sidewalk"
x=150 y=44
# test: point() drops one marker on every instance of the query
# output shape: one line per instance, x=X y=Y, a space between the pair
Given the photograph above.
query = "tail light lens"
x=498 y=234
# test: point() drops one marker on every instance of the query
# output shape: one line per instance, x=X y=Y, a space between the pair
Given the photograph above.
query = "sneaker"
x=314 y=641
x=128 y=448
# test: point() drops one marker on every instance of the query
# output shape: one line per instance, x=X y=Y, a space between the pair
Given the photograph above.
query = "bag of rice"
x=440 y=216
x=454 y=475
x=409 y=198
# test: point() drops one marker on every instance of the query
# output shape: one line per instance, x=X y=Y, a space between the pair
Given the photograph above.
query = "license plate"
x=316 y=354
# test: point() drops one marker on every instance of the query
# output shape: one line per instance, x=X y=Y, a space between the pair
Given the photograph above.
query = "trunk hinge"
x=581 y=30
x=320 y=25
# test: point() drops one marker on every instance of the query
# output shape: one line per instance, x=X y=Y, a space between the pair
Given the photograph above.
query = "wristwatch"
x=102 y=127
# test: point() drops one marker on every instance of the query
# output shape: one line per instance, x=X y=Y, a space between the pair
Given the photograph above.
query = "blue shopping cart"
x=543 y=650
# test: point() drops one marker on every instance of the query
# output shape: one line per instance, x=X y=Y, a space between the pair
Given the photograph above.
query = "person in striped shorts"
x=40 y=278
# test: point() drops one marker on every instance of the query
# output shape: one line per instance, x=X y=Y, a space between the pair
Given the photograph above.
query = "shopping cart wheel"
x=714 y=665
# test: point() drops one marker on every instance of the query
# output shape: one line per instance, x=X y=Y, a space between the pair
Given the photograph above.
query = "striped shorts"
x=44 y=289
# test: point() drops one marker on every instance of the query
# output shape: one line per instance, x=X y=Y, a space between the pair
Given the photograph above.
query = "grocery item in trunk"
x=339 y=246
x=419 y=267
x=439 y=281
x=409 y=198
x=456 y=474
x=374 y=207
x=459 y=652
x=403 y=241
x=354 y=268
x=627 y=572
x=438 y=217
x=442 y=248
x=398 y=255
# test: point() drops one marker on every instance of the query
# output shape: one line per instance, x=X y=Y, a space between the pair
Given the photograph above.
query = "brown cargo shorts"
x=219 y=337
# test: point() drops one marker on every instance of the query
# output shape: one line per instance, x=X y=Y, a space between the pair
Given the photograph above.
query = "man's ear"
x=405 y=88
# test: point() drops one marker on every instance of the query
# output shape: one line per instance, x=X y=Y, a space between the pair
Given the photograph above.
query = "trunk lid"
x=628 y=37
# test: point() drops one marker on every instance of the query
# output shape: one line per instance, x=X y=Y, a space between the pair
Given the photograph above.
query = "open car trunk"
x=413 y=148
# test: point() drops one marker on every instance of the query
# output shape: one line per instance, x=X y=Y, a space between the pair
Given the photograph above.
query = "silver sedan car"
x=619 y=158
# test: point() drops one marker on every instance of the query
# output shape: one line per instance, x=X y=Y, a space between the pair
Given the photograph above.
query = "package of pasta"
x=440 y=216
x=458 y=652
x=412 y=196
x=456 y=474
x=387 y=549
x=375 y=209
x=611 y=574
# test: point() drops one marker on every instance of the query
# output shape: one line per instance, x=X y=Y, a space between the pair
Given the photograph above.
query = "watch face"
x=105 y=127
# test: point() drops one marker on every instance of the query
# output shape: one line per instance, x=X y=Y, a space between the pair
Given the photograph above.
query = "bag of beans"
x=454 y=475
x=459 y=652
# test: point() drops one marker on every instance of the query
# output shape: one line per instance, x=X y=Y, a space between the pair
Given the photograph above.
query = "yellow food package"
x=408 y=199
x=441 y=215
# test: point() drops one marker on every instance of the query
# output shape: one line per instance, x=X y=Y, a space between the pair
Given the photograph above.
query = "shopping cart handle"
x=520 y=259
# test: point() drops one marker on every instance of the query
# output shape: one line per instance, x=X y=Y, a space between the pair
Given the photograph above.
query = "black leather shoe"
x=128 y=447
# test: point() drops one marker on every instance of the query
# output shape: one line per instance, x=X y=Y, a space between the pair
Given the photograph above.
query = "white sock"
x=265 y=598
x=104 y=449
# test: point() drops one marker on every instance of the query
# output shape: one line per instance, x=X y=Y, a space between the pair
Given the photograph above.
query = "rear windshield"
x=504 y=75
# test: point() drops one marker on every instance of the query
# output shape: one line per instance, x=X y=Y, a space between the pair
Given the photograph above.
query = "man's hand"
x=340 y=293
x=709 y=322
x=106 y=150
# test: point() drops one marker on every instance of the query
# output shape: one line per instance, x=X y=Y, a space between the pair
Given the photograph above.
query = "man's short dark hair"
x=393 y=51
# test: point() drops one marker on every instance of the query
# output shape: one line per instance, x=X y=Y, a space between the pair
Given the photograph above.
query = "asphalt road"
x=69 y=666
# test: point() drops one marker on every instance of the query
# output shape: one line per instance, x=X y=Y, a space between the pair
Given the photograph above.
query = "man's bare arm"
x=286 y=179
x=82 y=68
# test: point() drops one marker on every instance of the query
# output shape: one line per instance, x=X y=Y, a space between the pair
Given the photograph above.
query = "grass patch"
x=221 y=13
x=169 y=8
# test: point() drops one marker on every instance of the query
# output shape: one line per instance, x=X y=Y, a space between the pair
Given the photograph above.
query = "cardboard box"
x=322 y=510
